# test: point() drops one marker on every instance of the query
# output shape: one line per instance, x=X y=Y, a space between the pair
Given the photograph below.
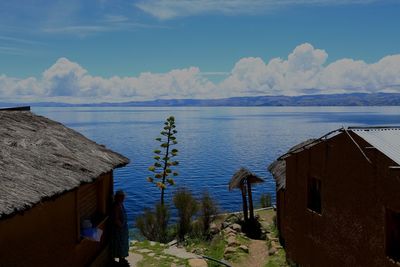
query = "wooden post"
x=244 y=200
x=250 y=201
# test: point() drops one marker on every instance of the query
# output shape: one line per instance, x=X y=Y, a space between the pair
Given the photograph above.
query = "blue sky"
x=135 y=50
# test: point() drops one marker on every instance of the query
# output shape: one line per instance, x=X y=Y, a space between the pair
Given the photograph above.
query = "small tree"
x=162 y=168
x=265 y=200
x=187 y=206
x=153 y=224
x=208 y=210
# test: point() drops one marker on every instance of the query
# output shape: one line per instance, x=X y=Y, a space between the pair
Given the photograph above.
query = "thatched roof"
x=278 y=167
x=241 y=176
x=41 y=158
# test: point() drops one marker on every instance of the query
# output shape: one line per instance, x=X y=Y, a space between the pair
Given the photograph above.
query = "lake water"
x=214 y=142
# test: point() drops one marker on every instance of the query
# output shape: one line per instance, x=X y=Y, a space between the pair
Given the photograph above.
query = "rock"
x=232 y=242
x=197 y=263
x=236 y=227
x=197 y=251
x=214 y=229
x=226 y=224
x=144 y=250
x=152 y=254
x=179 y=253
x=152 y=243
x=229 y=250
x=272 y=251
x=133 y=242
x=229 y=230
x=230 y=234
x=134 y=258
x=244 y=248
x=273 y=244
x=173 y=242
x=163 y=257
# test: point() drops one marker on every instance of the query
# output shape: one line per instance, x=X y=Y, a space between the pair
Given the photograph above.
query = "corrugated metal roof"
x=386 y=140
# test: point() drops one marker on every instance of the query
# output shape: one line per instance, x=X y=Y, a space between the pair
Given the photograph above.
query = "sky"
x=125 y=50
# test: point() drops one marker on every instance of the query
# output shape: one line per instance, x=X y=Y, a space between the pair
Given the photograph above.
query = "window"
x=314 y=194
x=92 y=206
x=393 y=235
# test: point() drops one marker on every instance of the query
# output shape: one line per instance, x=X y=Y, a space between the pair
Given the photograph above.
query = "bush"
x=154 y=224
x=265 y=200
x=208 y=210
x=187 y=207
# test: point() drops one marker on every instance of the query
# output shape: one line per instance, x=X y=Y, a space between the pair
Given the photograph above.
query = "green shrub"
x=153 y=224
x=265 y=200
x=208 y=210
x=187 y=207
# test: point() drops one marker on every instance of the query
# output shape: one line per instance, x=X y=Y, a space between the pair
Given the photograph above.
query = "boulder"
x=226 y=224
x=173 y=242
x=232 y=242
x=272 y=251
x=244 y=248
x=214 y=228
x=197 y=263
x=229 y=250
x=144 y=250
x=236 y=227
x=229 y=230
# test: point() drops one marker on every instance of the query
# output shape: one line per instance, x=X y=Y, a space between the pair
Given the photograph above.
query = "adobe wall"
x=46 y=235
x=350 y=230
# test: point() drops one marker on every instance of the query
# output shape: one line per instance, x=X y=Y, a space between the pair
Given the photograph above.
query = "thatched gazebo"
x=243 y=179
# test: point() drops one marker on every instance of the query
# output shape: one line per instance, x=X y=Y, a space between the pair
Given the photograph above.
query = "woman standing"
x=120 y=234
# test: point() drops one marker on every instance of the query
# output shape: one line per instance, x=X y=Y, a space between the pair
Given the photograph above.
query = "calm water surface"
x=213 y=142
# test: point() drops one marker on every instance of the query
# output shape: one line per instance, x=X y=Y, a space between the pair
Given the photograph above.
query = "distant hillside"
x=355 y=99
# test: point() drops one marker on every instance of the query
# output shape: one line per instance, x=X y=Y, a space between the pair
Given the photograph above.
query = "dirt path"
x=257 y=257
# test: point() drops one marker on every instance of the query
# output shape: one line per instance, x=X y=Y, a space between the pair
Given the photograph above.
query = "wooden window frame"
x=314 y=186
x=101 y=206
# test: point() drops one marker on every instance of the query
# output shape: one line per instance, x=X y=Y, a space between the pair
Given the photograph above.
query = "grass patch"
x=277 y=260
x=215 y=250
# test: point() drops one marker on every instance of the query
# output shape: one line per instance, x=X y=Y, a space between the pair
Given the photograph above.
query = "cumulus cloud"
x=304 y=71
x=168 y=9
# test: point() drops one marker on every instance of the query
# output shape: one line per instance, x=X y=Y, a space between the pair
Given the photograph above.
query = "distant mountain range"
x=354 y=99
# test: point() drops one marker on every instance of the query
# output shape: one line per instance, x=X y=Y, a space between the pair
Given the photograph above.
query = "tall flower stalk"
x=162 y=167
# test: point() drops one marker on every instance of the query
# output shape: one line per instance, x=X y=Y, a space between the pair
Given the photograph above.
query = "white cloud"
x=168 y=9
x=303 y=72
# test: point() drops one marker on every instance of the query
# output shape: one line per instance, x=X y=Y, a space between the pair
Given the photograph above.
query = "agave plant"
x=162 y=168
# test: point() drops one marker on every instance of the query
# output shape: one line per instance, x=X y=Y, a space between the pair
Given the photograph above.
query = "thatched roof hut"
x=41 y=159
x=241 y=175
